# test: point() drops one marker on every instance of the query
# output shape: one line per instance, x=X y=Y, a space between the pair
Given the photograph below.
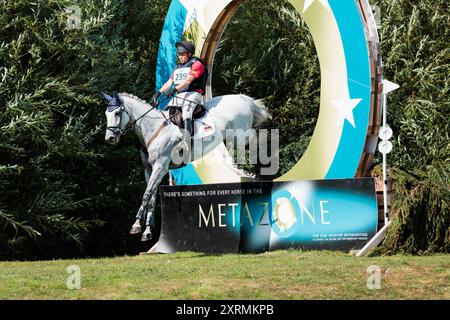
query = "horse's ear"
x=118 y=99
x=107 y=97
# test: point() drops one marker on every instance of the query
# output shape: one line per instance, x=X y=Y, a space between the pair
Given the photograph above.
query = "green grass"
x=274 y=275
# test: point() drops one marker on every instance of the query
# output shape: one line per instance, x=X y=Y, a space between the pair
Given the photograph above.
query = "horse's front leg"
x=147 y=169
x=141 y=215
x=149 y=221
x=149 y=198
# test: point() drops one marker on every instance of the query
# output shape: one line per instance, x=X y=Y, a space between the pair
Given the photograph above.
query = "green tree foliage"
x=64 y=192
x=416 y=53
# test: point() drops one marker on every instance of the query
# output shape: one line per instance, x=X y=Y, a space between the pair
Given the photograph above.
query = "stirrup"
x=189 y=127
x=185 y=148
x=184 y=144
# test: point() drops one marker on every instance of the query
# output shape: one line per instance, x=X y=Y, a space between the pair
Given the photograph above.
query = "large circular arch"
x=346 y=41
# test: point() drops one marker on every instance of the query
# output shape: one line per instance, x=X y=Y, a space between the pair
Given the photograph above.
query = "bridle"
x=117 y=130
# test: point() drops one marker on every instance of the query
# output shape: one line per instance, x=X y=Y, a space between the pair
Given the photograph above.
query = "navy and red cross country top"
x=195 y=68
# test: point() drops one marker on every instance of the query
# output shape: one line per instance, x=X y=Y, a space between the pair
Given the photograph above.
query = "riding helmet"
x=185 y=46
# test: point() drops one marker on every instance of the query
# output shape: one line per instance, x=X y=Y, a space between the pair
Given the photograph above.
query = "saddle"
x=176 y=115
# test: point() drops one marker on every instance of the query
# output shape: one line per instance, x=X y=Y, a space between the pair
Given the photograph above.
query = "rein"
x=131 y=126
x=118 y=130
x=184 y=99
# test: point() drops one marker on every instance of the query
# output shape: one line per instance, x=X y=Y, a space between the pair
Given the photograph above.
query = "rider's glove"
x=174 y=90
x=155 y=98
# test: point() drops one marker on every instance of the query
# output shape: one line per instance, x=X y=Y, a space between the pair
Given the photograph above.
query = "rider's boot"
x=186 y=140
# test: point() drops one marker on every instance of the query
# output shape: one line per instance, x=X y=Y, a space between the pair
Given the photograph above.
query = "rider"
x=189 y=78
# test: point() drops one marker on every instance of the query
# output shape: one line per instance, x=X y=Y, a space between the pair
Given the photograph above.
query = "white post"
x=385 y=181
x=385 y=145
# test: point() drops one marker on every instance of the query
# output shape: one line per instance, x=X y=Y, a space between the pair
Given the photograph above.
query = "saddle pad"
x=203 y=127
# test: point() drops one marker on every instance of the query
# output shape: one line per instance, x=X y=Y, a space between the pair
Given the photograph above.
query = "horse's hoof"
x=146 y=236
x=135 y=229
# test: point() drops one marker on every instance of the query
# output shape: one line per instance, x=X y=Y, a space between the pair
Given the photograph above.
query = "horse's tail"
x=260 y=113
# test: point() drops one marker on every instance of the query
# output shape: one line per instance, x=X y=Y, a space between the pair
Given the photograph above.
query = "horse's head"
x=117 y=118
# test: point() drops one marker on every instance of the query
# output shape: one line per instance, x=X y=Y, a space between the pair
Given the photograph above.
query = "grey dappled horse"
x=161 y=138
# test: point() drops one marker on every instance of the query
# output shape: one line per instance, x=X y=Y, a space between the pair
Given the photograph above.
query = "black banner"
x=255 y=217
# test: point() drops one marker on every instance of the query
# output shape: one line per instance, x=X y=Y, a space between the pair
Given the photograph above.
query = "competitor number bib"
x=180 y=75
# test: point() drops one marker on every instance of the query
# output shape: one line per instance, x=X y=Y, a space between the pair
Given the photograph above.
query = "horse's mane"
x=129 y=95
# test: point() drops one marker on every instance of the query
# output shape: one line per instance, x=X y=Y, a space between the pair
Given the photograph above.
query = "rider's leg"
x=189 y=102
x=192 y=100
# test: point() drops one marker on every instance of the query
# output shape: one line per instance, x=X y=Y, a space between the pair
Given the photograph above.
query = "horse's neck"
x=148 y=121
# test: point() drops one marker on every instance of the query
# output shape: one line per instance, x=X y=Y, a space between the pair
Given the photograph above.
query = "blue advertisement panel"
x=323 y=214
x=259 y=216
